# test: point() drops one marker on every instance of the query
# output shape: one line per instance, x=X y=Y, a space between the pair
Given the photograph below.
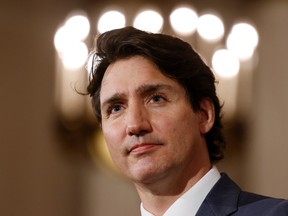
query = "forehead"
x=133 y=66
x=131 y=72
x=128 y=75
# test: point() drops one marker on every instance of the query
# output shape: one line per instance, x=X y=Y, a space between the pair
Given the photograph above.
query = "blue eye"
x=116 y=108
x=157 y=99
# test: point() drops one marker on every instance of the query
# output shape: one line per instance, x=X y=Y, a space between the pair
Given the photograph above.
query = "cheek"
x=113 y=144
x=180 y=129
x=177 y=123
x=113 y=140
x=112 y=132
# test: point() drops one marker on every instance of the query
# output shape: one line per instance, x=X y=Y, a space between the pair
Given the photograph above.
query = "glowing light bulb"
x=210 y=27
x=225 y=63
x=184 y=20
x=242 y=40
x=78 y=27
x=149 y=20
x=75 y=55
x=111 y=20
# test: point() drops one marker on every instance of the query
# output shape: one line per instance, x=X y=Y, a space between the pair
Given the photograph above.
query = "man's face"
x=148 y=123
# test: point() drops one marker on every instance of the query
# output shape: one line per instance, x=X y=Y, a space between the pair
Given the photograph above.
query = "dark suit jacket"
x=226 y=198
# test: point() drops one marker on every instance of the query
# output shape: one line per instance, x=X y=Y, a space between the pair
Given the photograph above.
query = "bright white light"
x=149 y=20
x=210 y=27
x=75 y=55
x=242 y=40
x=184 y=20
x=225 y=63
x=77 y=27
x=248 y=32
x=111 y=20
x=60 y=41
x=63 y=41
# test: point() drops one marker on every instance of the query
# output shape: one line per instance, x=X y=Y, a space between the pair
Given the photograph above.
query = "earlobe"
x=207 y=115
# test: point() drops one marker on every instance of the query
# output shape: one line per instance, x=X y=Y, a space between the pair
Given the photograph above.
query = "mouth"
x=143 y=148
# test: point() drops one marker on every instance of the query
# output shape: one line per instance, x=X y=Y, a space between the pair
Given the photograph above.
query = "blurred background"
x=52 y=160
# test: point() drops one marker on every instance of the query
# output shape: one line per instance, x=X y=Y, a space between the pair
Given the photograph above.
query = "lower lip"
x=143 y=149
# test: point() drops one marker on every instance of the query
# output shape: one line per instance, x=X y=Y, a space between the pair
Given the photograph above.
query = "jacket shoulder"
x=255 y=204
x=227 y=198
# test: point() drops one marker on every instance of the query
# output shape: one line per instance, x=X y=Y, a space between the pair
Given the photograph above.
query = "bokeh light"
x=78 y=27
x=184 y=20
x=69 y=44
x=61 y=40
x=149 y=20
x=210 y=27
x=243 y=40
x=75 y=55
x=225 y=63
x=111 y=20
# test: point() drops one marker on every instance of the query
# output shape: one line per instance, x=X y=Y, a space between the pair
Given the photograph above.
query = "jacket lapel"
x=222 y=199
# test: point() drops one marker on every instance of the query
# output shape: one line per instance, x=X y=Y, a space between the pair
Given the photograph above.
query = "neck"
x=158 y=196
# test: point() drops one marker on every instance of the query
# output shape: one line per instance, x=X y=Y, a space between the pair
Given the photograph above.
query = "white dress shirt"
x=189 y=203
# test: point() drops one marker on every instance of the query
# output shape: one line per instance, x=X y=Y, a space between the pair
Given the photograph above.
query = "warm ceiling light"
x=210 y=27
x=111 y=20
x=225 y=63
x=75 y=56
x=75 y=29
x=242 y=40
x=60 y=40
x=149 y=20
x=184 y=20
x=78 y=27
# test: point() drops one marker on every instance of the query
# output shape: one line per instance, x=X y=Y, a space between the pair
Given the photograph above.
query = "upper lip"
x=139 y=145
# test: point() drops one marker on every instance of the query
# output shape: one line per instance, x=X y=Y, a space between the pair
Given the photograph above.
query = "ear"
x=207 y=115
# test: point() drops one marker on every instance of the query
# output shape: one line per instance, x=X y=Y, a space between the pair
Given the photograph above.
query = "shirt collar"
x=189 y=203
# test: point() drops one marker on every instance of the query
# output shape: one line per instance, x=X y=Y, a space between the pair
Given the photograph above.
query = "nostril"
x=138 y=130
x=133 y=130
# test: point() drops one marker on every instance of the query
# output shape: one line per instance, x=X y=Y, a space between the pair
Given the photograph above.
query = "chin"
x=147 y=175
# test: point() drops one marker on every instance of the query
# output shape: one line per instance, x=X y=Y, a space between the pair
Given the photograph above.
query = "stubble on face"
x=164 y=137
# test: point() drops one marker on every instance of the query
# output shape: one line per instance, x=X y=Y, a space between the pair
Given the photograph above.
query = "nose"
x=137 y=120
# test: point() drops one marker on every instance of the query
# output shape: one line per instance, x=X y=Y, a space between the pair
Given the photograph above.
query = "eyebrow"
x=142 y=90
x=114 y=98
x=148 y=88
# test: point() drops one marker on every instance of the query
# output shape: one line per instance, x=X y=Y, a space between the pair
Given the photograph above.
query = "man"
x=156 y=102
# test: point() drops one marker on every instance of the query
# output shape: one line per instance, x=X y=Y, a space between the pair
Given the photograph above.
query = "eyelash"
x=158 y=96
x=112 y=107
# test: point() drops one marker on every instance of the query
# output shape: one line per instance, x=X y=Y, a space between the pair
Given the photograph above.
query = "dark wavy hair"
x=175 y=58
